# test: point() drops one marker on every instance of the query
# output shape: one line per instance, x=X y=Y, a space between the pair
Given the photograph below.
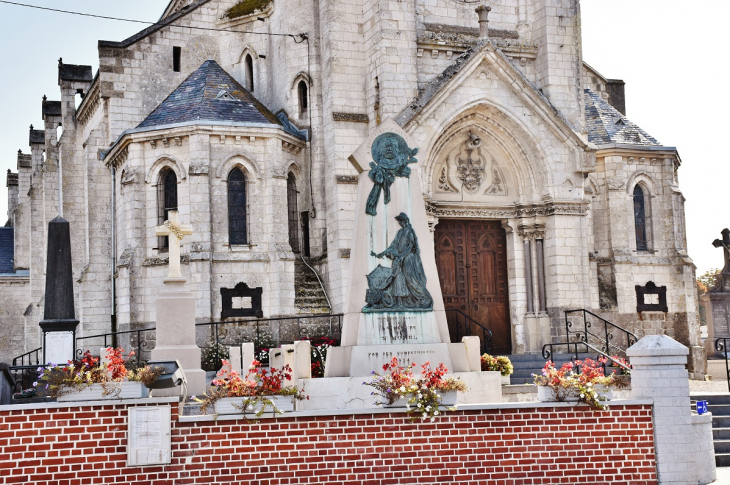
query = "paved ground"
x=723 y=476
x=708 y=386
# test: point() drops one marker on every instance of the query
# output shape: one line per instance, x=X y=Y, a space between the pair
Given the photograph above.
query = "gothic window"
x=248 y=64
x=291 y=199
x=302 y=91
x=166 y=201
x=641 y=217
x=176 y=53
x=237 y=207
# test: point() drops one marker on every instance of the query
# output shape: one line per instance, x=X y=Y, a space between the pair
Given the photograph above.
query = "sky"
x=671 y=55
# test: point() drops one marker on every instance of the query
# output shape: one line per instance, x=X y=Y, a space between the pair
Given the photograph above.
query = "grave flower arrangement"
x=257 y=388
x=501 y=364
x=583 y=379
x=424 y=394
x=59 y=380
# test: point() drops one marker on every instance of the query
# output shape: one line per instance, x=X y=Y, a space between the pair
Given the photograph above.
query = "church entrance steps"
x=719 y=405
x=527 y=364
x=308 y=294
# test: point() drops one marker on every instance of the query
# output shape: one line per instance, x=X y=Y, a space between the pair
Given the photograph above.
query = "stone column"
x=659 y=374
x=541 y=295
x=528 y=277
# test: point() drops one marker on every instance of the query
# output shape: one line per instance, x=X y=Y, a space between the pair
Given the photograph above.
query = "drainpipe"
x=114 y=258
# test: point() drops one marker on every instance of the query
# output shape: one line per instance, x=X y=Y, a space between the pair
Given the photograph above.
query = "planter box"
x=548 y=394
x=95 y=392
x=447 y=399
x=605 y=392
x=505 y=380
x=226 y=405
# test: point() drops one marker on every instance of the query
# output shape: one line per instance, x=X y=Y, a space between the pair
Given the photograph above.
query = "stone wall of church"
x=13 y=296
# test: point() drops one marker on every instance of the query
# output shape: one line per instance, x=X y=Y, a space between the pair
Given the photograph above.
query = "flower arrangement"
x=58 y=380
x=320 y=346
x=501 y=364
x=424 y=393
x=257 y=388
x=566 y=381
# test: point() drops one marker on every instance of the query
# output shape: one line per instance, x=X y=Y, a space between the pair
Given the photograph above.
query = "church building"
x=541 y=195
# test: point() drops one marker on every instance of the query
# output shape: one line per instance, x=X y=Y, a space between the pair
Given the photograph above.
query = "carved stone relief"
x=471 y=169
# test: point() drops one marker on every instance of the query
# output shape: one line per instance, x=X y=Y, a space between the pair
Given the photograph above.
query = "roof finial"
x=483 y=12
x=44 y=98
x=31 y=127
x=60 y=61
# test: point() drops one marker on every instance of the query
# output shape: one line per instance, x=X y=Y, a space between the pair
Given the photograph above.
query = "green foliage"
x=247 y=7
x=707 y=281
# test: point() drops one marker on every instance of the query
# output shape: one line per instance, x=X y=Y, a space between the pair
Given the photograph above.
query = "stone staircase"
x=309 y=296
x=719 y=405
x=527 y=364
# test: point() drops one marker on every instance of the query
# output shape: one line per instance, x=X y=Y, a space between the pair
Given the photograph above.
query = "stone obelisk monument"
x=59 y=317
x=394 y=306
x=176 y=314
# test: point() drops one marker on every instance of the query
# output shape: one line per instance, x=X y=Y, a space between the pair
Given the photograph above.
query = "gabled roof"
x=606 y=125
x=7 y=250
x=210 y=94
x=73 y=72
x=50 y=108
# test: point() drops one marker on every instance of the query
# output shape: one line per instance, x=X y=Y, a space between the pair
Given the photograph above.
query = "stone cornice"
x=518 y=211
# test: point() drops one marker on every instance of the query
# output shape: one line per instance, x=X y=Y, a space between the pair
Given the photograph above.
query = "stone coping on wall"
x=304 y=414
x=461 y=407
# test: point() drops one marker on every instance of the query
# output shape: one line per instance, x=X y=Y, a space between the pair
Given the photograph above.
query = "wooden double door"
x=471 y=257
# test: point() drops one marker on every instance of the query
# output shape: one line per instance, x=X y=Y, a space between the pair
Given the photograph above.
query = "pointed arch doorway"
x=471 y=256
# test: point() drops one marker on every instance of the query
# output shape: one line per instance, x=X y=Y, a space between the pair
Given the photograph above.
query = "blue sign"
x=701 y=407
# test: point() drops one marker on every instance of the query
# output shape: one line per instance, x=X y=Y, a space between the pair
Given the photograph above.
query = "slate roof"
x=607 y=126
x=72 y=72
x=50 y=108
x=7 y=250
x=24 y=160
x=37 y=136
x=210 y=94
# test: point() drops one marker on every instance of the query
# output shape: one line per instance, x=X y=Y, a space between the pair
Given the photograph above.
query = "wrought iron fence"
x=597 y=332
x=213 y=338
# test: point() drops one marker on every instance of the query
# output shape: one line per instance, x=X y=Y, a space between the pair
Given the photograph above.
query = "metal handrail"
x=486 y=332
x=630 y=337
x=112 y=335
x=547 y=352
x=28 y=355
x=721 y=345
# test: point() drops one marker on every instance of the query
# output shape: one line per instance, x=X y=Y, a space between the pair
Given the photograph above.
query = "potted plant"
x=500 y=364
x=588 y=385
x=259 y=390
x=424 y=396
x=87 y=379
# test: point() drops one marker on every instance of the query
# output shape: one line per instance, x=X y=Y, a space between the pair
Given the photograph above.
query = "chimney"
x=483 y=12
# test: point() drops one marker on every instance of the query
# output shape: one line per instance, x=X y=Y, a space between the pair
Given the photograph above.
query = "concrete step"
x=722 y=459
x=712 y=399
x=720 y=421
x=722 y=447
x=721 y=434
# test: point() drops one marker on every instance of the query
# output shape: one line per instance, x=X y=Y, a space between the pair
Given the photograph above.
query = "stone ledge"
x=103 y=402
x=462 y=407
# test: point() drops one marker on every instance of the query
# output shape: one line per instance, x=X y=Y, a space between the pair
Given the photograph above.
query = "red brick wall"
x=84 y=445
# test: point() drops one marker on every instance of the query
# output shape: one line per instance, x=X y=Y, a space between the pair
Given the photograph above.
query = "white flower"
x=402 y=388
x=433 y=419
x=428 y=408
x=435 y=413
x=582 y=395
x=420 y=405
x=589 y=384
x=408 y=407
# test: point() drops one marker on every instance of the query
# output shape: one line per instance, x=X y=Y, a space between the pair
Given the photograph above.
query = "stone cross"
x=175 y=231
x=725 y=244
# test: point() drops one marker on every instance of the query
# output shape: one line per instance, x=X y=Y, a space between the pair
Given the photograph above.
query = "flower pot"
x=227 y=405
x=548 y=394
x=604 y=392
x=504 y=380
x=447 y=399
x=95 y=392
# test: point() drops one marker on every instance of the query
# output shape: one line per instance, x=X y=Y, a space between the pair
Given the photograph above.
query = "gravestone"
x=175 y=339
x=59 y=317
x=394 y=306
x=719 y=320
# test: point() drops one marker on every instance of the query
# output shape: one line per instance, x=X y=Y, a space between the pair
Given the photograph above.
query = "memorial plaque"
x=720 y=316
x=59 y=347
x=148 y=436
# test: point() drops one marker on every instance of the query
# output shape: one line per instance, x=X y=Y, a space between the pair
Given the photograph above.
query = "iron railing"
x=593 y=333
x=107 y=339
x=33 y=357
x=721 y=345
x=466 y=326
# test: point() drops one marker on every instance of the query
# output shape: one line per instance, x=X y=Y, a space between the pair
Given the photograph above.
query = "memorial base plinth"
x=350 y=393
x=176 y=336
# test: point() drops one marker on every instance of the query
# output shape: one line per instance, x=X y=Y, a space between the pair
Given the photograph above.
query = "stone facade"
x=558 y=164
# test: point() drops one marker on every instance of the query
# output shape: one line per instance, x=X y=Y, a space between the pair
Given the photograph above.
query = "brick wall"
x=530 y=445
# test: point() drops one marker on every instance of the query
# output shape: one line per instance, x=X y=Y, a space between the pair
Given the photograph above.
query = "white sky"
x=670 y=53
